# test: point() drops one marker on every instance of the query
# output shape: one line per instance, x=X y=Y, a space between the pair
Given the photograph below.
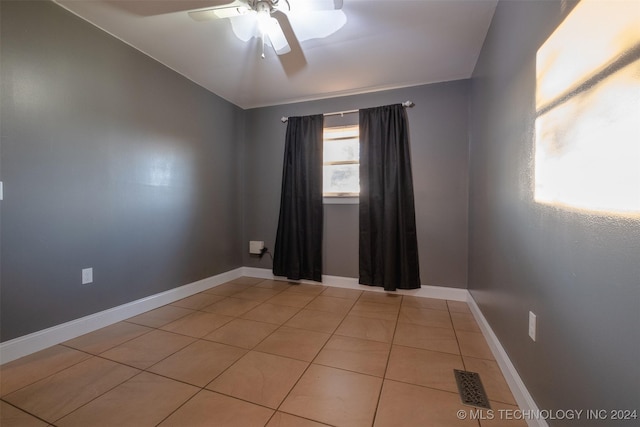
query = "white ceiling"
x=384 y=44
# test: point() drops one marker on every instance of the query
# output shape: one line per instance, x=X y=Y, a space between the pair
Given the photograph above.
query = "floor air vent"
x=470 y=389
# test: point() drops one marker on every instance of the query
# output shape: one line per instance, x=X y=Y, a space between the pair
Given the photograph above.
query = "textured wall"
x=112 y=161
x=438 y=126
x=579 y=272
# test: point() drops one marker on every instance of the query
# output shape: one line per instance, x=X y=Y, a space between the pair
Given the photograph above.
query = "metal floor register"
x=470 y=389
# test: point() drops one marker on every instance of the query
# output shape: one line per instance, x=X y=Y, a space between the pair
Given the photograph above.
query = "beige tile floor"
x=256 y=352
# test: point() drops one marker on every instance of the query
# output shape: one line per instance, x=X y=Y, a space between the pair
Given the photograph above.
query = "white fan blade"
x=236 y=8
x=277 y=38
x=302 y=5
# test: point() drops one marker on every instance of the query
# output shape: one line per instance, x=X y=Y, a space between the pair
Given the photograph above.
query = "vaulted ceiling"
x=373 y=45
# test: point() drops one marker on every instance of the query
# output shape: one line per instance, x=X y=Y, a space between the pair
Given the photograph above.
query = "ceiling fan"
x=268 y=18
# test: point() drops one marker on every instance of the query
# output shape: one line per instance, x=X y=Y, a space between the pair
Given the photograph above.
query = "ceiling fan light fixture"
x=270 y=20
x=269 y=28
x=264 y=17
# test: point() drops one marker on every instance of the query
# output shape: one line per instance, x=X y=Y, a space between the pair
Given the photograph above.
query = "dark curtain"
x=388 y=240
x=298 y=249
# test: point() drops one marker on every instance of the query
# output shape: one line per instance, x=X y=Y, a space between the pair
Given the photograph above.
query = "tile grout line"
x=140 y=371
x=25 y=411
x=51 y=374
x=316 y=356
x=464 y=366
x=310 y=363
x=204 y=388
x=146 y=370
x=386 y=367
x=201 y=389
x=252 y=349
x=91 y=355
x=455 y=333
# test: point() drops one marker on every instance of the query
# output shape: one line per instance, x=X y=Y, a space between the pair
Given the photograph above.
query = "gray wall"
x=580 y=273
x=112 y=161
x=439 y=149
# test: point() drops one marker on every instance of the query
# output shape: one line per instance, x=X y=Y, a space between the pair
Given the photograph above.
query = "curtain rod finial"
x=408 y=104
x=284 y=119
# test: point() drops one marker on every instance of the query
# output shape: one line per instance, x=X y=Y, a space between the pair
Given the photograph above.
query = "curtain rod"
x=342 y=113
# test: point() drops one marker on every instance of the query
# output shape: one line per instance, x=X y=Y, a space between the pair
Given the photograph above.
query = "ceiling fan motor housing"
x=264 y=5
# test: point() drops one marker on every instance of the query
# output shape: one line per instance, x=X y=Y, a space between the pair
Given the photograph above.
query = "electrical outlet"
x=255 y=247
x=532 y=325
x=87 y=276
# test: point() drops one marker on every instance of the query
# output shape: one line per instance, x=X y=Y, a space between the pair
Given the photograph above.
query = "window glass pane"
x=341 y=179
x=341 y=161
x=341 y=150
x=341 y=132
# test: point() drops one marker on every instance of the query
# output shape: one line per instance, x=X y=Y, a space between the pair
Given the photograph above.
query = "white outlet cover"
x=87 y=276
x=256 y=246
x=532 y=325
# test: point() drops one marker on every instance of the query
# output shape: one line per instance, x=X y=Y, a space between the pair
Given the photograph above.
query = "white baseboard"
x=27 y=344
x=520 y=393
x=439 y=292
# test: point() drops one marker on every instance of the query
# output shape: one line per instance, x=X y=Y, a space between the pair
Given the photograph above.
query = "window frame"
x=340 y=197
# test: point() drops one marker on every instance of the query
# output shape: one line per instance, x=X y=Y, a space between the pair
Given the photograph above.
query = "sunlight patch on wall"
x=588 y=110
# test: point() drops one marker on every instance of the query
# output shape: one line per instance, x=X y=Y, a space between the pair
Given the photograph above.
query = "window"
x=341 y=161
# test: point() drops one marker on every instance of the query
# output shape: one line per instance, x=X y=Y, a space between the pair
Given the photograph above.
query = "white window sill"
x=340 y=200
